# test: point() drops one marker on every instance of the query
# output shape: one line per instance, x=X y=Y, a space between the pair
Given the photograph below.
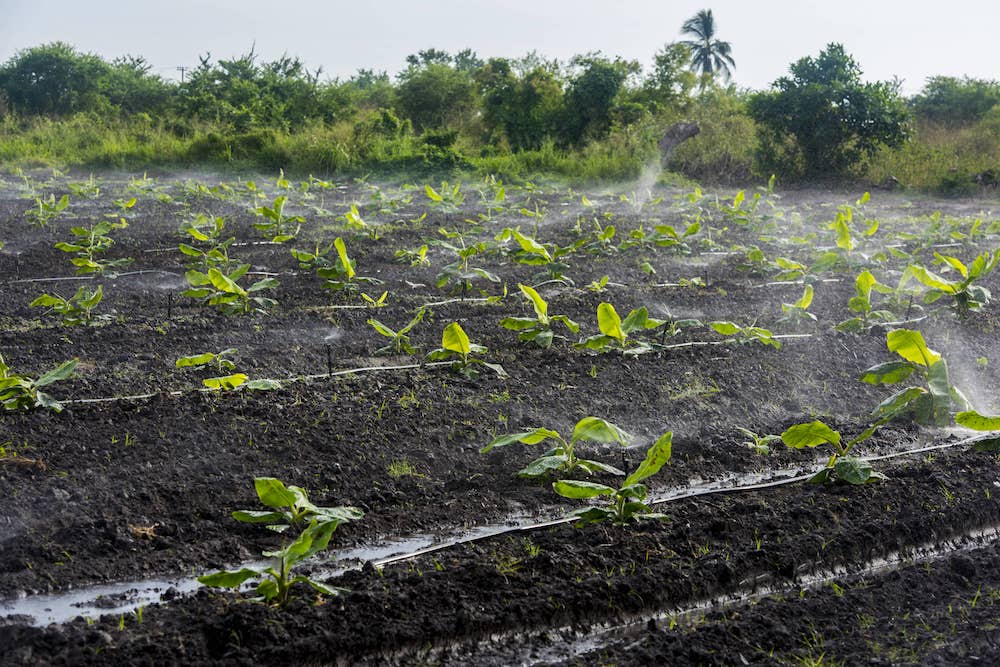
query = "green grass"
x=939 y=160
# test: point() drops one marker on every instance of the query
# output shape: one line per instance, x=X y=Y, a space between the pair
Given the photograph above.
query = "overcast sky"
x=912 y=40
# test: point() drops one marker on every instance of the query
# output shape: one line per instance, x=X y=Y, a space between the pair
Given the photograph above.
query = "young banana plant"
x=625 y=503
x=537 y=329
x=462 y=353
x=967 y=296
x=563 y=458
x=399 y=341
x=616 y=332
x=930 y=405
x=289 y=507
x=18 y=392
x=861 y=303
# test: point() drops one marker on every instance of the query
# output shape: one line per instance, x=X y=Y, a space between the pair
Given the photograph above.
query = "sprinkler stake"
x=170 y=304
x=329 y=361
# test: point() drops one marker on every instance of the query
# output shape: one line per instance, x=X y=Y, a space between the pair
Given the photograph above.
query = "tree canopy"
x=823 y=118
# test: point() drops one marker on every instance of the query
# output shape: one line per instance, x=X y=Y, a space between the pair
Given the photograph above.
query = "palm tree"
x=708 y=55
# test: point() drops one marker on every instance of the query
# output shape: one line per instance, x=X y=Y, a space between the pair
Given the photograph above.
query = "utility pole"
x=182 y=70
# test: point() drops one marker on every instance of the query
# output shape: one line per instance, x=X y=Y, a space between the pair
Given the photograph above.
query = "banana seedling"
x=668 y=237
x=341 y=274
x=276 y=581
x=616 y=332
x=967 y=296
x=460 y=272
x=77 y=309
x=625 y=503
x=562 y=458
x=446 y=197
x=861 y=303
x=930 y=405
x=46 y=210
x=207 y=231
x=537 y=329
x=19 y=392
x=842 y=466
x=224 y=292
x=799 y=311
x=353 y=220
x=289 y=507
x=758 y=444
x=546 y=255
x=279 y=227
x=89 y=243
x=743 y=335
x=90 y=188
x=222 y=362
x=415 y=257
x=399 y=341
x=462 y=353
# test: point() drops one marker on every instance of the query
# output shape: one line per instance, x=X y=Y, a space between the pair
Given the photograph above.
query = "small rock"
x=60 y=494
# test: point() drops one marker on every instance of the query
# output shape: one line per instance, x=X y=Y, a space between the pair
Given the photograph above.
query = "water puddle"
x=128 y=596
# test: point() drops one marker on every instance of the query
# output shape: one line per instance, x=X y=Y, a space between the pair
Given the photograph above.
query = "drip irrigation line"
x=705 y=343
x=669 y=498
x=104 y=277
x=289 y=380
x=597 y=637
x=782 y=283
x=899 y=323
x=365 y=369
x=455 y=300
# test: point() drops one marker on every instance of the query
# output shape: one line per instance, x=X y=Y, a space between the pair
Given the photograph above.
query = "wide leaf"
x=228 y=579
x=910 y=345
x=656 y=456
x=576 y=489
x=596 y=429
x=853 y=470
x=811 y=434
x=609 y=322
x=977 y=422
x=345 y=261
x=61 y=372
x=272 y=492
x=526 y=437
x=539 y=304
x=455 y=339
x=890 y=372
x=543 y=466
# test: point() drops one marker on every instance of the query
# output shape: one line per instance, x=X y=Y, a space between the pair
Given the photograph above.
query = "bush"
x=951 y=101
x=824 y=118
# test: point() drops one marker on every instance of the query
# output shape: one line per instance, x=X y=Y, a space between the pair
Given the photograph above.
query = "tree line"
x=820 y=118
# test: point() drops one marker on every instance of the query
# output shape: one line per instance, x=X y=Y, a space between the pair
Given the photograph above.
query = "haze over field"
x=910 y=40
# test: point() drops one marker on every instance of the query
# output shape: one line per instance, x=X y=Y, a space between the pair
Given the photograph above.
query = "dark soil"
x=121 y=490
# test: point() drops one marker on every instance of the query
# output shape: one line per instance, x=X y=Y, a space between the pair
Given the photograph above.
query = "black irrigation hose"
x=669 y=498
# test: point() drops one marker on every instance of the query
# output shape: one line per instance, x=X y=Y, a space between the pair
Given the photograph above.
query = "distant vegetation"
x=592 y=118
